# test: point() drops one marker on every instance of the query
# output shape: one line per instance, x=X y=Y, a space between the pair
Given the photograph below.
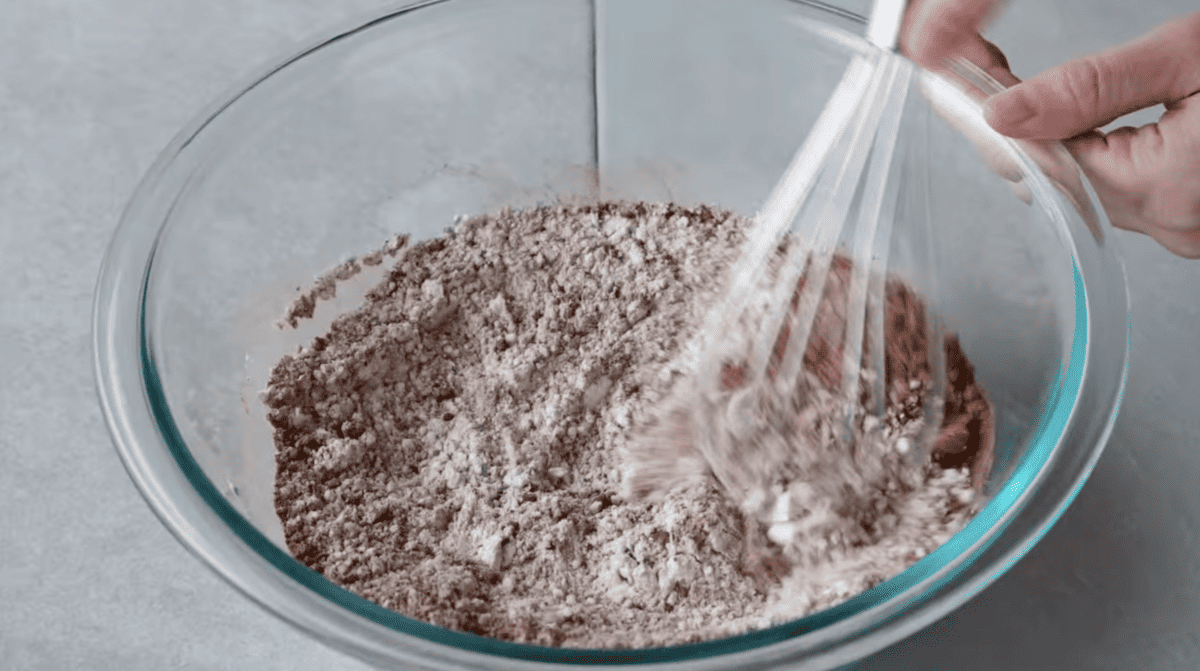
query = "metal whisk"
x=755 y=374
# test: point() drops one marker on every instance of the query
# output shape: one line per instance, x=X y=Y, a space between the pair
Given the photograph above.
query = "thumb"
x=936 y=29
x=1092 y=91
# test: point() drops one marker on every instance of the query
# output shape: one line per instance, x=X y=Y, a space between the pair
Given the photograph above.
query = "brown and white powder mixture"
x=458 y=448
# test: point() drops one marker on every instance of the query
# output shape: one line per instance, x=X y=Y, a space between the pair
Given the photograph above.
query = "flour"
x=458 y=449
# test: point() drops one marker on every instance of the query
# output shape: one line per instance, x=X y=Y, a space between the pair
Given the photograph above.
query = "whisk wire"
x=854 y=137
x=887 y=92
x=818 y=231
x=784 y=203
x=862 y=146
x=873 y=238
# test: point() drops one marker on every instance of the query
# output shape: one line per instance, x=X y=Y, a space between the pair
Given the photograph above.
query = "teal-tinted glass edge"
x=1054 y=421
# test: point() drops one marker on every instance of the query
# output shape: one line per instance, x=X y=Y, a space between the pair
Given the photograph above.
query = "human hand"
x=1148 y=179
x=937 y=30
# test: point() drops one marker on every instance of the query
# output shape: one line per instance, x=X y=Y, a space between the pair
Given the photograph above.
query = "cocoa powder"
x=457 y=448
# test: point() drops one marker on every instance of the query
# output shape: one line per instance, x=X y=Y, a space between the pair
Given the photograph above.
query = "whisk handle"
x=883 y=28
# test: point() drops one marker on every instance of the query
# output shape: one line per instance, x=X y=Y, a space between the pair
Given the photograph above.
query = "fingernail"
x=1009 y=112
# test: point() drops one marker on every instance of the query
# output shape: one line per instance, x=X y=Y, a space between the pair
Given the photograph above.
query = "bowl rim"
x=193 y=509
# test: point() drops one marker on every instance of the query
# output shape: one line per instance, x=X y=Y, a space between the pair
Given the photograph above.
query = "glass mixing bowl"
x=405 y=119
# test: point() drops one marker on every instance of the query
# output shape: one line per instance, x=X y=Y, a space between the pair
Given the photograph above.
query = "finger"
x=995 y=63
x=1148 y=178
x=1092 y=91
x=1106 y=160
x=1022 y=190
x=936 y=29
x=1180 y=243
x=990 y=147
x=991 y=60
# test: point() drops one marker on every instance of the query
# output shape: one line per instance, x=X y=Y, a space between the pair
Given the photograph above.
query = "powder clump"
x=456 y=449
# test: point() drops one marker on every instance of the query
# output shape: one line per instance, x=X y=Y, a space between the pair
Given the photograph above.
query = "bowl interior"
x=453 y=108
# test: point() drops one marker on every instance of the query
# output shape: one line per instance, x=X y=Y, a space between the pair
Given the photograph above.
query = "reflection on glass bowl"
x=403 y=120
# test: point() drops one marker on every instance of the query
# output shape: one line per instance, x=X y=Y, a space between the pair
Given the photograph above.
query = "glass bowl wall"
x=404 y=120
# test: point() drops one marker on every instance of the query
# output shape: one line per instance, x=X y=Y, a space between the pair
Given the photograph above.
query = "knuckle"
x=1086 y=83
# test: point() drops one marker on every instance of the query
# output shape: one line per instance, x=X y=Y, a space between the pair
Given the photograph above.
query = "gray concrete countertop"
x=91 y=90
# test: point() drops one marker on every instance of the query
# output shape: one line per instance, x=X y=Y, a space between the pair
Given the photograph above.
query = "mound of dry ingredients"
x=453 y=450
